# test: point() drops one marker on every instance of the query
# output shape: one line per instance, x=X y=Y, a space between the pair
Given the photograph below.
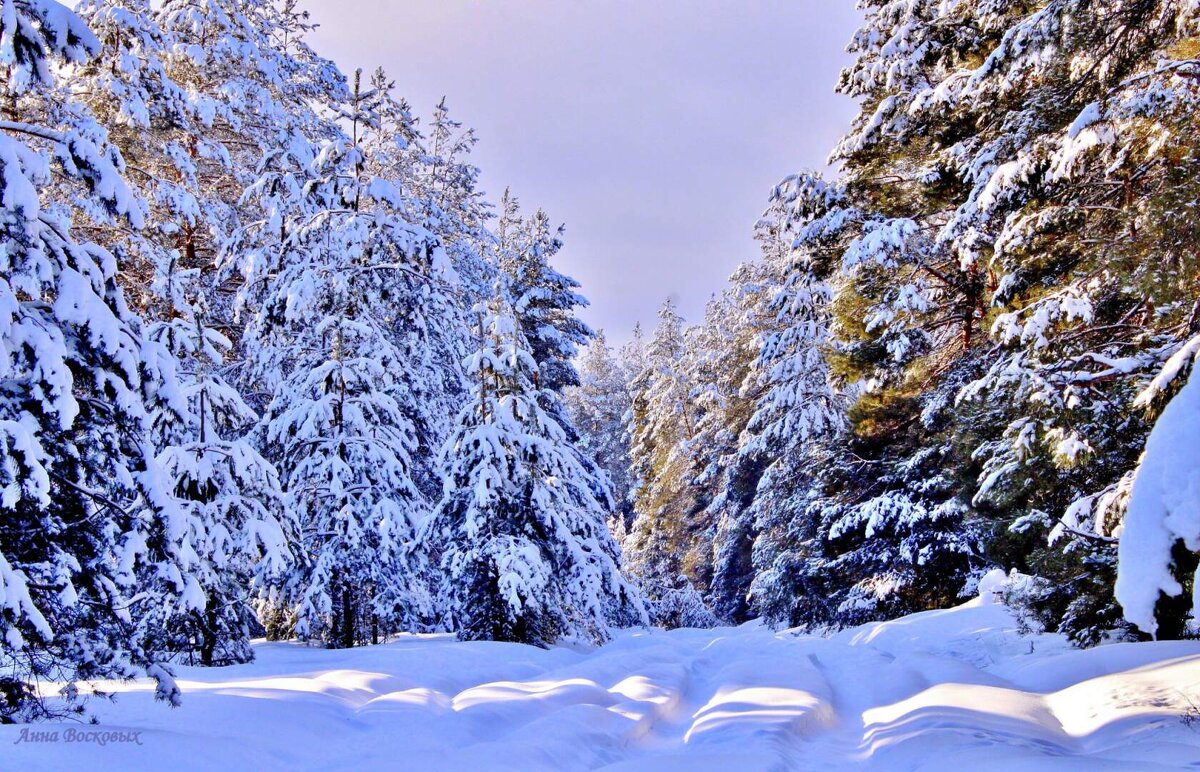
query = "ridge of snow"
x=935 y=690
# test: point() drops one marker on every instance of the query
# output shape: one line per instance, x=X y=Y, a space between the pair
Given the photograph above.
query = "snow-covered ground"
x=956 y=690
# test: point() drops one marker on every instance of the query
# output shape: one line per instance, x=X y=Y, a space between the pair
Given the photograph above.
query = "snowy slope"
x=956 y=690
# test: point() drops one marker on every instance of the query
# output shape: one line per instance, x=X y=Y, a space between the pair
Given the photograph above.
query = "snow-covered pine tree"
x=1093 y=247
x=719 y=355
x=660 y=552
x=907 y=314
x=796 y=411
x=86 y=511
x=874 y=558
x=176 y=149
x=1016 y=169
x=524 y=551
x=159 y=127
x=347 y=270
x=894 y=529
x=1029 y=145
x=254 y=86
x=445 y=186
x=758 y=310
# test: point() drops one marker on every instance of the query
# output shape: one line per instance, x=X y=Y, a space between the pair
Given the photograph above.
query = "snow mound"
x=1164 y=504
x=937 y=690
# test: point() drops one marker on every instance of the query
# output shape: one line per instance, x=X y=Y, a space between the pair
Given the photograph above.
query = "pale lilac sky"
x=654 y=129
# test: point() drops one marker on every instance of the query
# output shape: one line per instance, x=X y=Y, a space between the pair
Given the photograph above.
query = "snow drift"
x=953 y=689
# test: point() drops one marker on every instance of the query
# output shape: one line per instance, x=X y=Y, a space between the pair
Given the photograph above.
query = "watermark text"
x=72 y=735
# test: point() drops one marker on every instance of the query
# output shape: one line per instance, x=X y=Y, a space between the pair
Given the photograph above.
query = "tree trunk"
x=335 y=628
x=208 y=638
x=347 y=615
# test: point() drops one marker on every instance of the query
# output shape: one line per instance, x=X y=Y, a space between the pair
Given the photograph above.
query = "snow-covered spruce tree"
x=545 y=303
x=431 y=164
x=631 y=358
x=797 y=415
x=243 y=533
x=657 y=423
x=524 y=551
x=435 y=335
x=699 y=468
x=325 y=338
x=633 y=354
x=175 y=147
x=597 y=409
x=86 y=512
x=544 y=300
